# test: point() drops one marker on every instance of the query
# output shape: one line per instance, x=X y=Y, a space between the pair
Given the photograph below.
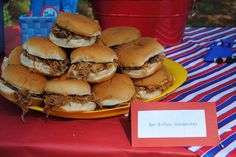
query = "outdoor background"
x=211 y=13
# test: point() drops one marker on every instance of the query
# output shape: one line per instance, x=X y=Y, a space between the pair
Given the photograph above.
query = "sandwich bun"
x=75 y=107
x=162 y=78
x=118 y=89
x=144 y=72
x=135 y=54
x=48 y=51
x=68 y=87
x=39 y=67
x=114 y=36
x=9 y=94
x=73 y=88
x=93 y=53
x=14 y=56
x=72 y=43
x=42 y=47
x=102 y=75
x=21 y=78
x=78 y=24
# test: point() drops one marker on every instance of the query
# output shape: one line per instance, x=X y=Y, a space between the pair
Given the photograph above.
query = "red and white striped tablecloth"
x=208 y=82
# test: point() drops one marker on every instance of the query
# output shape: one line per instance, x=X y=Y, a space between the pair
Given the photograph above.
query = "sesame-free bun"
x=68 y=87
x=119 y=35
x=9 y=94
x=78 y=24
x=144 y=72
x=21 y=78
x=40 y=67
x=42 y=47
x=118 y=89
x=72 y=43
x=93 y=53
x=136 y=53
x=78 y=107
x=162 y=78
x=156 y=79
x=14 y=56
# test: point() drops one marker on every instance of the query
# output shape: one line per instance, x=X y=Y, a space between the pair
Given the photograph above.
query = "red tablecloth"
x=59 y=137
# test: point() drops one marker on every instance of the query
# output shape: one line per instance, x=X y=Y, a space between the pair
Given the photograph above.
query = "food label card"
x=156 y=124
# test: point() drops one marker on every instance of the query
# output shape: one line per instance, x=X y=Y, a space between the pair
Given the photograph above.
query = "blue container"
x=35 y=26
x=1 y=27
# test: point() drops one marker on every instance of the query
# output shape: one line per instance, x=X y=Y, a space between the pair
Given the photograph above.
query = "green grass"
x=211 y=13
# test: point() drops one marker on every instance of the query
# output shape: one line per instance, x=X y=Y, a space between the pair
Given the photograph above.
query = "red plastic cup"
x=164 y=20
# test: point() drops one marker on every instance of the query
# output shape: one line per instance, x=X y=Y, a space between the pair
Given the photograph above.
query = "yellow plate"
x=177 y=70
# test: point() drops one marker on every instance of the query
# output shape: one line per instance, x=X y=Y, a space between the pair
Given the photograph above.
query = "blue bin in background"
x=40 y=24
x=34 y=26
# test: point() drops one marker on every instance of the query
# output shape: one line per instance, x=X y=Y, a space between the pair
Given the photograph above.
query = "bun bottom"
x=112 y=102
x=75 y=107
x=9 y=94
x=39 y=67
x=73 y=43
x=144 y=95
x=141 y=73
x=103 y=75
x=96 y=77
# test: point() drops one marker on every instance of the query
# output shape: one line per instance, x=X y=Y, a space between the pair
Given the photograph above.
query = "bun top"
x=68 y=87
x=22 y=78
x=42 y=47
x=159 y=78
x=14 y=56
x=119 y=35
x=94 y=53
x=136 y=53
x=120 y=87
x=78 y=24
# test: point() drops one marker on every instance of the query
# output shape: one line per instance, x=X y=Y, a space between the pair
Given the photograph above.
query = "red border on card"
x=211 y=124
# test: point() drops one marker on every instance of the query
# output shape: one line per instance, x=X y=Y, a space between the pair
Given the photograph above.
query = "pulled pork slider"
x=117 y=91
x=22 y=87
x=43 y=57
x=153 y=85
x=94 y=64
x=68 y=96
x=115 y=36
x=74 y=30
x=140 y=58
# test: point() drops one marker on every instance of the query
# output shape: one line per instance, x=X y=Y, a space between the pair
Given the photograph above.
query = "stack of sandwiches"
x=80 y=67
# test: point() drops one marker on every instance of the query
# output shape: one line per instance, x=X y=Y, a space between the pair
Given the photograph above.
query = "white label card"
x=171 y=123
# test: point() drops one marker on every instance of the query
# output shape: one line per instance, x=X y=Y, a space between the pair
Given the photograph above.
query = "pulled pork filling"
x=81 y=70
x=149 y=89
x=56 y=66
x=154 y=59
x=23 y=98
x=60 y=32
x=54 y=101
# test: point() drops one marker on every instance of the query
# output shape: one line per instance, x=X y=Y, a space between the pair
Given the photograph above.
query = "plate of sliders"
x=179 y=75
x=87 y=73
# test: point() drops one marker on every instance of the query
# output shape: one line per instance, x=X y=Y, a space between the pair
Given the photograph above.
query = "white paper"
x=171 y=123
